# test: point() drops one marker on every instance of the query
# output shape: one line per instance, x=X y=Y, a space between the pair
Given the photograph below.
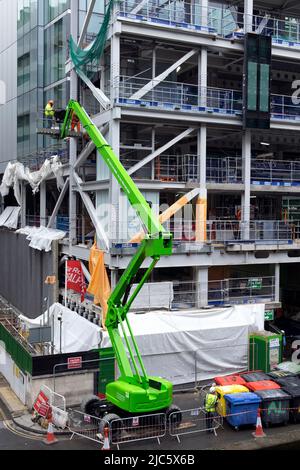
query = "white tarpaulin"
x=9 y=217
x=170 y=342
x=41 y=238
x=16 y=172
x=75 y=332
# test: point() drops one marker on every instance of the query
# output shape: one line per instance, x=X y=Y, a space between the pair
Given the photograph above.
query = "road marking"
x=8 y=426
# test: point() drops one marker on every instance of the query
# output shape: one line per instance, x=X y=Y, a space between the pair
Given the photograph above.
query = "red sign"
x=75 y=278
x=44 y=410
x=41 y=403
x=74 y=363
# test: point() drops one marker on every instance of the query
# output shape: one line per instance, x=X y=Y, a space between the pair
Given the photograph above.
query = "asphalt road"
x=12 y=439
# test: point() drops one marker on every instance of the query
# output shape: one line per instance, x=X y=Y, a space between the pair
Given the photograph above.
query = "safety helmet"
x=212 y=390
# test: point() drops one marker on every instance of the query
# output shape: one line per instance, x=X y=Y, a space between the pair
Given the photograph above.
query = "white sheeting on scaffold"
x=168 y=341
x=41 y=238
x=77 y=333
x=9 y=217
x=16 y=172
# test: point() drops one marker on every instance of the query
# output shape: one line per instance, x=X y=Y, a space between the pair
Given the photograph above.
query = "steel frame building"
x=168 y=98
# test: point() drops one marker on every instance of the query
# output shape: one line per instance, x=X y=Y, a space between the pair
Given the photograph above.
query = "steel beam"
x=98 y=94
x=86 y=22
x=58 y=203
x=159 y=151
x=91 y=211
x=154 y=82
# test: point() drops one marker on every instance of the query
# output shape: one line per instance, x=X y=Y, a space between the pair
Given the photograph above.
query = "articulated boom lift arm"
x=157 y=242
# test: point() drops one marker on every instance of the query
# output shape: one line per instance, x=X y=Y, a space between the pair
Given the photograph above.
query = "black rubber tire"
x=89 y=405
x=176 y=419
x=115 y=428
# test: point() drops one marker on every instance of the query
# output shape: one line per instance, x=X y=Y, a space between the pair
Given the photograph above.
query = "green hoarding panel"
x=19 y=355
x=106 y=369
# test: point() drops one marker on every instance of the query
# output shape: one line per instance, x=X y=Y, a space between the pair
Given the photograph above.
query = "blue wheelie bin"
x=241 y=409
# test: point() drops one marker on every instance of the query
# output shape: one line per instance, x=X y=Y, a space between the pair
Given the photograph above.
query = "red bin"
x=262 y=385
x=230 y=380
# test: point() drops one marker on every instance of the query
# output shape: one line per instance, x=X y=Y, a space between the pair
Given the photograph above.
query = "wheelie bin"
x=274 y=407
x=230 y=380
x=241 y=409
x=227 y=390
x=280 y=374
x=262 y=385
x=255 y=376
x=288 y=381
x=294 y=393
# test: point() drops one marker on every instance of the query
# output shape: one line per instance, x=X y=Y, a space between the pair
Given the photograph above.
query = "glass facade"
x=54 y=8
x=30 y=75
x=42 y=50
x=43 y=32
x=55 y=50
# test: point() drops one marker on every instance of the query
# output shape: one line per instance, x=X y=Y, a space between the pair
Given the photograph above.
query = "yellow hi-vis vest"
x=49 y=111
x=210 y=403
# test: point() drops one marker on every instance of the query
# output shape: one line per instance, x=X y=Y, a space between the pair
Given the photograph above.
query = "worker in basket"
x=210 y=406
x=75 y=122
x=49 y=114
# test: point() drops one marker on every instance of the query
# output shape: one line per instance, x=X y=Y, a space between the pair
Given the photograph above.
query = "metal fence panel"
x=138 y=428
x=85 y=426
x=192 y=421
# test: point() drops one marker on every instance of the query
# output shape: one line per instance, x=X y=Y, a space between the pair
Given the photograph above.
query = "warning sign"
x=74 y=363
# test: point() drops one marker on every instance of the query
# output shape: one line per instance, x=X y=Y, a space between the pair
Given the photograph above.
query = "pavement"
x=18 y=432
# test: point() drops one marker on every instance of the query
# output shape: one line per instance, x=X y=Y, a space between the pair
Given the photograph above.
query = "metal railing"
x=255 y=230
x=169 y=95
x=179 y=168
x=229 y=170
x=188 y=294
x=36 y=159
x=224 y=21
x=84 y=426
x=224 y=170
x=175 y=95
x=138 y=428
x=215 y=231
x=275 y=171
x=184 y=168
x=195 y=420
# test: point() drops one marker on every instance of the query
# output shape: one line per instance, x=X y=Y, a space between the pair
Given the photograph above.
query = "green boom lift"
x=134 y=392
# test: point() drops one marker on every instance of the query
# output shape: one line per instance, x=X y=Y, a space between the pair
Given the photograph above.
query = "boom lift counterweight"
x=134 y=392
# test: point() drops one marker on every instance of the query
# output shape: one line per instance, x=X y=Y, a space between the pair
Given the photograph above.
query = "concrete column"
x=43 y=203
x=113 y=278
x=201 y=203
x=202 y=77
x=201 y=279
x=248 y=15
x=114 y=139
x=73 y=141
x=204 y=13
x=277 y=282
x=23 y=204
x=246 y=163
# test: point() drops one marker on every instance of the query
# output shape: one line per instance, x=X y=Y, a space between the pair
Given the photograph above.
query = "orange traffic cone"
x=106 y=445
x=50 y=439
x=259 y=430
